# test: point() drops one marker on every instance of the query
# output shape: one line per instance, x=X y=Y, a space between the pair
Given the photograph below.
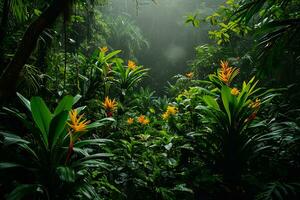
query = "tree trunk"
x=10 y=75
x=3 y=27
x=4 y=19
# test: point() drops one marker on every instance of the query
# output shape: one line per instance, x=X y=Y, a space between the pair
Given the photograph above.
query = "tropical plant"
x=57 y=162
x=127 y=77
x=228 y=117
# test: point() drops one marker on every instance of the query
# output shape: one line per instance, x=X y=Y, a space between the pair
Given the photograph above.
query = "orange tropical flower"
x=143 y=120
x=235 y=91
x=189 y=74
x=131 y=64
x=110 y=106
x=76 y=122
x=77 y=125
x=130 y=120
x=226 y=73
x=104 y=49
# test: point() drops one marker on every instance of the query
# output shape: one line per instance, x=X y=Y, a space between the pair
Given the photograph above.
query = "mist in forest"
x=171 y=41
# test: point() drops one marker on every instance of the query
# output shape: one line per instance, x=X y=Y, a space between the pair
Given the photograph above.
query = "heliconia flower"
x=189 y=75
x=131 y=64
x=226 y=73
x=77 y=125
x=130 y=120
x=110 y=106
x=235 y=91
x=104 y=49
x=143 y=120
x=76 y=122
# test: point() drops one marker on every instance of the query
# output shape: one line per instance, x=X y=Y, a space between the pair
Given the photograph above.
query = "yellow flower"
x=189 y=75
x=226 y=73
x=104 y=49
x=235 y=91
x=131 y=65
x=110 y=106
x=171 y=110
x=143 y=120
x=255 y=104
x=165 y=116
x=130 y=120
x=76 y=122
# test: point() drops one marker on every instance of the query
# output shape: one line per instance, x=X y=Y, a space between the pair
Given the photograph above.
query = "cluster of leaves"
x=48 y=161
x=204 y=142
x=273 y=27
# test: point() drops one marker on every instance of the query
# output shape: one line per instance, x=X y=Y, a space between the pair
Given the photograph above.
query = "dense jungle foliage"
x=81 y=120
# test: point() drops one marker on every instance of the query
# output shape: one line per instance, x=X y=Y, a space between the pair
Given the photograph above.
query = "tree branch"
x=10 y=76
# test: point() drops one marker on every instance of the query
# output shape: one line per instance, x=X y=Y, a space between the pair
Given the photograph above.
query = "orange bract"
x=235 y=91
x=130 y=120
x=76 y=122
x=189 y=75
x=110 y=105
x=226 y=73
x=104 y=49
x=143 y=120
x=131 y=65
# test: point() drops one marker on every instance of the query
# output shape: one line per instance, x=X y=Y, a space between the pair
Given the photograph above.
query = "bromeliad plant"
x=229 y=114
x=126 y=77
x=53 y=156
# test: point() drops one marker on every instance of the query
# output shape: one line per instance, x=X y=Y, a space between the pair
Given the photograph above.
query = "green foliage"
x=215 y=136
x=46 y=150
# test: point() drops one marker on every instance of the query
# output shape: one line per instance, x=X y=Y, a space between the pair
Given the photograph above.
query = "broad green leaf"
x=7 y=165
x=65 y=104
x=76 y=98
x=21 y=191
x=91 y=142
x=226 y=96
x=210 y=101
x=100 y=123
x=112 y=54
x=57 y=127
x=42 y=117
x=25 y=101
x=66 y=174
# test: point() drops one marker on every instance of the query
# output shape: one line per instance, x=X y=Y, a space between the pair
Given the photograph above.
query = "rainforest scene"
x=149 y=99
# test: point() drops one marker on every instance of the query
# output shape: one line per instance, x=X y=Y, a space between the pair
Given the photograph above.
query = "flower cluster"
x=104 y=49
x=255 y=104
x=226 y=73
x=131 y=64
x=143 y=120
x=235 y=91
x=189 y=75
x=171 y=111
x=110 y=106
x=76 y=122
